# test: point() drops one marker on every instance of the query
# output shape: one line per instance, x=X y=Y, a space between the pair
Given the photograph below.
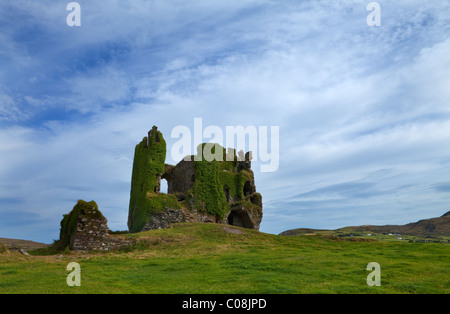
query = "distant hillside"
x=17 y=244
x=433 y=227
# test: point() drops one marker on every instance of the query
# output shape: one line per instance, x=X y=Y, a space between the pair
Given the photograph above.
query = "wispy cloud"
x=363 y=112
x=443 y=187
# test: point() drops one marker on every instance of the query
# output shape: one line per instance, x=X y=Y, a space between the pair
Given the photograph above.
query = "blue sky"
x=364 y=112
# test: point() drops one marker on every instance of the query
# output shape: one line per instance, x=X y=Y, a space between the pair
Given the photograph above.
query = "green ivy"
x=153 y=202
x=208 y=190
x=148 y=164
x=213 y=177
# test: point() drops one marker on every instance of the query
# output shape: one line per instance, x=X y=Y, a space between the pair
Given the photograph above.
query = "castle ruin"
x=198 y=190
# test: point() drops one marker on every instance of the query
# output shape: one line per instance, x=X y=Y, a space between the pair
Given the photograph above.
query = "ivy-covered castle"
x=198 y=190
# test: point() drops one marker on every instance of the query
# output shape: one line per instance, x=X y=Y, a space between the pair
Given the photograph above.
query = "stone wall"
x=180 y=178
x=239 y=215
x=169 y=216
x=93 y=234
x=85 y=228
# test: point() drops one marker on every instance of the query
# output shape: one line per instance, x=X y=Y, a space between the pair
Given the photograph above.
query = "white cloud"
x=351 y=101
x=8 y=109
x=89 y=92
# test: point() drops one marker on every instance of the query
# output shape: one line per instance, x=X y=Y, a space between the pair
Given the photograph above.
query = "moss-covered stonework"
x=219 y=185
x=85 y=228
x=201 y=189
x=148 y=166
x=70 y=221
x=208 y=191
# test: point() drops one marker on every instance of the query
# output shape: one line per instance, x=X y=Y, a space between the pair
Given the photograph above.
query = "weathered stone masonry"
x=85 y=228
x=198 y=191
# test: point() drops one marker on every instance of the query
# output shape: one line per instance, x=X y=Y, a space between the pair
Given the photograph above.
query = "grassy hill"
x=213 y=258
x=433 y=229
x=17 y=244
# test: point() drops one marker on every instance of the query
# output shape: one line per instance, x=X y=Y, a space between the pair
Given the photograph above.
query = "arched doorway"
x=239 y=218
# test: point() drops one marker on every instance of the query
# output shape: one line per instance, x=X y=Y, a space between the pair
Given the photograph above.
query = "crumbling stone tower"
x=198 y=190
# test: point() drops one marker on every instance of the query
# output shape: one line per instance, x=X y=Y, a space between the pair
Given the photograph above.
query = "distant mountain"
x=433 y=227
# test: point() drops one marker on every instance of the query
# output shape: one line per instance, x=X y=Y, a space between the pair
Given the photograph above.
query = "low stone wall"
x=170 y=216
x=93 y=234
x=165 y=219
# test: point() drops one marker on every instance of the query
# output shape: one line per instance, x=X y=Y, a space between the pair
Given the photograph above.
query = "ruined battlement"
x=199 y=188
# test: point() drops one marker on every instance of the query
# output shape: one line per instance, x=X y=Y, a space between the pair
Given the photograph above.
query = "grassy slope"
x=203 y=258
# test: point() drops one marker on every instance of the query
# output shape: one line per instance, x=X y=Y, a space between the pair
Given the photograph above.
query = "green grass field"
x=204 y=258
